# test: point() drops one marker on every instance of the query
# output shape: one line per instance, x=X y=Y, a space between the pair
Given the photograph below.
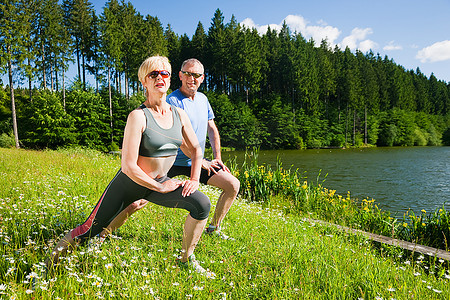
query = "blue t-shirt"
x=199 y=112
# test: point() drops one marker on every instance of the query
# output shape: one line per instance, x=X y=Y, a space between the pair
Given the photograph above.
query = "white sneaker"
x=219 y=234
x=194 y=265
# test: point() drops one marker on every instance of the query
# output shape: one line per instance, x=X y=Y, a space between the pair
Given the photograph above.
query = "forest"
x=273 y=91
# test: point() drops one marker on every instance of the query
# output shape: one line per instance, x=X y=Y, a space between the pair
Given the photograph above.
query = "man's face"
x=188 y=76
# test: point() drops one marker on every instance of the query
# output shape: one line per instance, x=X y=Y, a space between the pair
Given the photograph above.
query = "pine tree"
x=326 y=76
x=198 y=44
x=216 y=53
x=79 y=15
x=173 y=49
x=249 y=61
x=13 y=23
x=52 y=43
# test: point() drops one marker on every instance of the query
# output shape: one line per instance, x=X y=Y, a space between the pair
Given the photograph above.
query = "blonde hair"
x=152 y=63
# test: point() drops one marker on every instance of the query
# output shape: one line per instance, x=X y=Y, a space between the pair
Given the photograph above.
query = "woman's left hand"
x=189 y=186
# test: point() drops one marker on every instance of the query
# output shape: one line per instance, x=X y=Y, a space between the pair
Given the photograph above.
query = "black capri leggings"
x=122 y=191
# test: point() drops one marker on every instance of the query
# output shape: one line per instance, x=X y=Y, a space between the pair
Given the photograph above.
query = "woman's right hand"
x=170 y=185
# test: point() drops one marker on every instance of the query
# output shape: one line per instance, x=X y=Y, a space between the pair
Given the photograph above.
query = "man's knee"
x=236 y=184
x=135 y=206
x=226 y=181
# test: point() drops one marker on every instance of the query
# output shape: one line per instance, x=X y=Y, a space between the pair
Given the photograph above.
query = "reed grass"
x=301 y=195
x=274 y=254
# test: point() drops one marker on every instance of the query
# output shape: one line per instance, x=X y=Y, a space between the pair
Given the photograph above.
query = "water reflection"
x=397 y=178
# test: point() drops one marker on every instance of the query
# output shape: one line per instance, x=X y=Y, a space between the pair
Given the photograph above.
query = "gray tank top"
x=157 y=141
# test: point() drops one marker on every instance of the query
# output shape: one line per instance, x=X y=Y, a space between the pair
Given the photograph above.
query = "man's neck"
x=188 y=93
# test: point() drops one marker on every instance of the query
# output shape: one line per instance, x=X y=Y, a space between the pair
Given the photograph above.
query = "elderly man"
x=213 y=172
x=199 y=111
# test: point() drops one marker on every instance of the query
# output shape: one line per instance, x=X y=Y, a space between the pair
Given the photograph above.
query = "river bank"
x=398 y=178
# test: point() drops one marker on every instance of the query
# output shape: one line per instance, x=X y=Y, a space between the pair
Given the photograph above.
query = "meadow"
x=273 y=252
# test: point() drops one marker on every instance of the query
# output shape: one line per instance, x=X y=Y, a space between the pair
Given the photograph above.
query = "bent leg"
x=60 y=249
x=121 y=218
x=197 y=204
x=119 y=194
x=230 y=188
x=192 y=232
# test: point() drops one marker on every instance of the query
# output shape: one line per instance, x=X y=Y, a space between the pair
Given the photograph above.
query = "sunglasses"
x=154 y=74
x=195 y=75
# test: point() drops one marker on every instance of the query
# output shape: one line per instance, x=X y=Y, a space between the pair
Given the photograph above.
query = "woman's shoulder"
x=136 y=114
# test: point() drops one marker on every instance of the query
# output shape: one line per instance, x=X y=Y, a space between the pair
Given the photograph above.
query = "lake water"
x=398 y=178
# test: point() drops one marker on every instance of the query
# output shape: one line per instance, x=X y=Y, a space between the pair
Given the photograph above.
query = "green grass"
x=273 y=255
x=290 y=189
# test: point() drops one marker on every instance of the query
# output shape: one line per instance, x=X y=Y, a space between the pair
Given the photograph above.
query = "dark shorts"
x=122 y=191
x=186 y=171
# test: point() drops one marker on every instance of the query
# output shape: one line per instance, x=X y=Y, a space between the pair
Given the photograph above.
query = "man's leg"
x=230 y=188
x=121 y=218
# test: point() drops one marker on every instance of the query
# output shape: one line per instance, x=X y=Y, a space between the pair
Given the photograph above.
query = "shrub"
x=7 y=140
x=419 y=138
x=266 y=184
x=446 y=137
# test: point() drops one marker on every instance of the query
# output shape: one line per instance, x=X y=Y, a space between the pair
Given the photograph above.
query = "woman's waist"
x=156 y=167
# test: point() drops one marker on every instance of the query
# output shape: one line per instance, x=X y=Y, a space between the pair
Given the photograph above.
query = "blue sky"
x=413 y=33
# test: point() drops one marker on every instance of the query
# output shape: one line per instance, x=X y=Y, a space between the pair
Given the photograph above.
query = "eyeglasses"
x=195 y=75
x=154 y=74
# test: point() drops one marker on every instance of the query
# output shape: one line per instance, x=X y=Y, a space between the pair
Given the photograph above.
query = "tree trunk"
x=339 y=111
x=29 y=79
x=51 y=78
x=119 y=78
x=346 y=127
x=110 y=105
x=116 y=76
x=365 y=124
x=13 y=103
x=64 y=89
x=84 y=73
x=354 y=126
x=43 y=68
x=78 y=61
x=127 y=91
x=56 y=78
x=96 y=78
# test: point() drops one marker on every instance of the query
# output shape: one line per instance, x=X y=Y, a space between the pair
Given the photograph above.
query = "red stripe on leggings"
x=86 y=226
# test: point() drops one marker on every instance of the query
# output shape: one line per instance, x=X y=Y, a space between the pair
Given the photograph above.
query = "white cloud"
x=248 y=23
x=322 y=31
x=367 y=45
x=357 y=40
x=296 y=23
x=392 y=46
x=439 y=51
x=262 y=29
x=299 y=24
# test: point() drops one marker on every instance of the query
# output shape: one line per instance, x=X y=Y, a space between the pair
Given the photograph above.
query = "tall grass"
x=273 y=255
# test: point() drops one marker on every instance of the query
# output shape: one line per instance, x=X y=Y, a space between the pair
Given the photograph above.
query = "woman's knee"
x=202 y=206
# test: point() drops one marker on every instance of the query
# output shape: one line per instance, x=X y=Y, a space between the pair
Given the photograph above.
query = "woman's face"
x=157 y=81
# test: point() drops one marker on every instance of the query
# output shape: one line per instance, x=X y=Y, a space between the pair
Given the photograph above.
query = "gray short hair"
x=192 y=61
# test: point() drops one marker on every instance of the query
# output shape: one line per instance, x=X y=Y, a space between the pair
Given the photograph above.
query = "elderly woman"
x=153 y=133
